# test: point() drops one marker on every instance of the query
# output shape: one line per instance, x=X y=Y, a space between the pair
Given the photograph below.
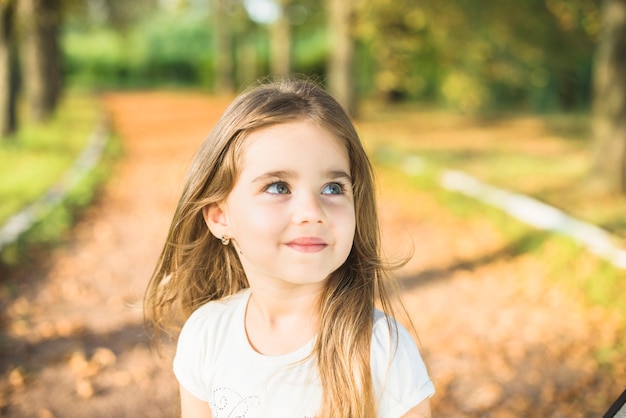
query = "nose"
x=308 y=208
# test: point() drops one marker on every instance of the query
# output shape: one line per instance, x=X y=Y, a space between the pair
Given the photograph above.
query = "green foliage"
x=310 y=52
x=535 y=54
x=160 y=50
x=176 y=49
x=94 y=57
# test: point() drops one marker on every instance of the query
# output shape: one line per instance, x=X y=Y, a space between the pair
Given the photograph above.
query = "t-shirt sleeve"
x=190 y=361
x=400 y=376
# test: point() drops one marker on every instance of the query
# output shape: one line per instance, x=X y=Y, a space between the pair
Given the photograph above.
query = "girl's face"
x=291 y=211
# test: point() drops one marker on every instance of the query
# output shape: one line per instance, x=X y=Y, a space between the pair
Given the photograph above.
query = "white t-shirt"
x=215 y=362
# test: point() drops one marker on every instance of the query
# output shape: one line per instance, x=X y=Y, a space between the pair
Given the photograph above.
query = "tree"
x=609 y=103
x=396 y=36
x=244 y=35
x=340 y=75
x=8 y=84
x=121 y=14
x=280 y=42
x=40 y=54
x=479 y=56
x=222 y=35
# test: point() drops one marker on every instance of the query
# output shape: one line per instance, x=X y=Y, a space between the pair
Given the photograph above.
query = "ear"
x=216 y=219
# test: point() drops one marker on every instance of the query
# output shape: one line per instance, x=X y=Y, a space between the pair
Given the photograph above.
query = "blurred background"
x=536 y=56
x=103 y=102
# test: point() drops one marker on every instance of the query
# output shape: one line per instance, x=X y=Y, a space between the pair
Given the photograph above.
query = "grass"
x=37 y=156
x=544 y=157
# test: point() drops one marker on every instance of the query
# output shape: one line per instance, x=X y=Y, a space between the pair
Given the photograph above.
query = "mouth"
x=307 y=244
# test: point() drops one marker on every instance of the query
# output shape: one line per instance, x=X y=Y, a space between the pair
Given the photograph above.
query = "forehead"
x=298 y=144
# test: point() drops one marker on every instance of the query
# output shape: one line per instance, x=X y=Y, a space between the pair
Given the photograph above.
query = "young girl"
x=272 y=260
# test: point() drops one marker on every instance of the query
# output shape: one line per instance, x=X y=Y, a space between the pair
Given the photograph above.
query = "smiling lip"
x=307 y=244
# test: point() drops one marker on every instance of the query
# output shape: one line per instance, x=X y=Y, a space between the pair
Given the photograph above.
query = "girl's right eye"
x=277 y=188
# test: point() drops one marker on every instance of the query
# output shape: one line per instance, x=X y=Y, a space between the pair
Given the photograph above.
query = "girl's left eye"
x=333 y=188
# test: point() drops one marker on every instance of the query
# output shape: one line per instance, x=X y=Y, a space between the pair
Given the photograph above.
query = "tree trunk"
x=609 y=104
x=247 y=64
x=280 y=43
x=8 y=82
x=40 y=54
x=340 y=75
x=224 y=68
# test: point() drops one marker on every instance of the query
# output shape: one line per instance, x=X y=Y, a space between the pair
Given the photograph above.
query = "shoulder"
x=387 y=333
x=398 y=370
x=208 y=332
x=222 y=305
x=211 y=326
x=392 y=345
x=216 y=313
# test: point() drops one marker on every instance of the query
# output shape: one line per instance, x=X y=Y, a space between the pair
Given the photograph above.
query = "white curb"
x=528 y=210
x=22 y=221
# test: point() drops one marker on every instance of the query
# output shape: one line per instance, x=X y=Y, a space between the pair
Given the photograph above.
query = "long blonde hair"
x=195 y=268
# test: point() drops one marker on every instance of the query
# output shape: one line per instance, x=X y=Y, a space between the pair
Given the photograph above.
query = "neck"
x=280 y=320
x=276 y=303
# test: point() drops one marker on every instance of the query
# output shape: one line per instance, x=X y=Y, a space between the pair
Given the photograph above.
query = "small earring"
x=225 y=240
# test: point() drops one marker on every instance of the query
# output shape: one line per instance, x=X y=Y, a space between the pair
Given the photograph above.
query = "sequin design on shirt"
x=228 y=403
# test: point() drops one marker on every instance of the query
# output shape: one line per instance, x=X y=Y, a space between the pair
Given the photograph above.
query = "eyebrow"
x=339 y=174
x=286 y=174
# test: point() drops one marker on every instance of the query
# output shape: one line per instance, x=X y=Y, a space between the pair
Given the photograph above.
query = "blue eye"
x=333 y=188
x=277 y=188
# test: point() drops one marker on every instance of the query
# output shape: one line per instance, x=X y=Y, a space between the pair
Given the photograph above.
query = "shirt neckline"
x=297 y=355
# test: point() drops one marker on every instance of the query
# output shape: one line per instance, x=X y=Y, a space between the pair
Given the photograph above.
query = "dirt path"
x=498 y=340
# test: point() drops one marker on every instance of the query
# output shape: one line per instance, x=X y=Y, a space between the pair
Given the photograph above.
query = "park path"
x=499 y=341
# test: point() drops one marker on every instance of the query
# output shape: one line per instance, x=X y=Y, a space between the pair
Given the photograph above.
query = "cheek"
x=346 y=224
x=252 y=222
